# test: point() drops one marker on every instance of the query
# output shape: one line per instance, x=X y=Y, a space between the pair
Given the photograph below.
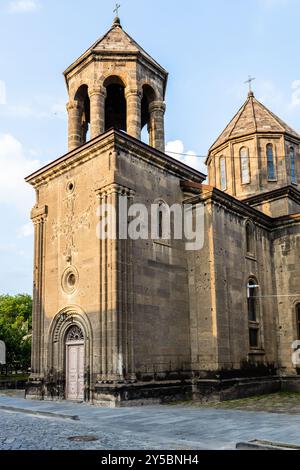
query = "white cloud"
x=2 y=92
x=176 y=147
x=23 y=6
x=26 y=231
x=14 y=168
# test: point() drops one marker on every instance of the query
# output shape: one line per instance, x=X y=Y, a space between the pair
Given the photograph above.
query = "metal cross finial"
x=249 y=81
x=116 y=10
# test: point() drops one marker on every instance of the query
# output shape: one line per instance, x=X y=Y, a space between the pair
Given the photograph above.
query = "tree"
x=15 y=328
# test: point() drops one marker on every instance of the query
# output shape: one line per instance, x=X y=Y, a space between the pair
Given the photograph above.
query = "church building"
x=121 y=321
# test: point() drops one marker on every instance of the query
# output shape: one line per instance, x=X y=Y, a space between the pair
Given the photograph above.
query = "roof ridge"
x=252 y=98
x=236 y=116
x=239 y=116
x=132 y=42
x=273 y=116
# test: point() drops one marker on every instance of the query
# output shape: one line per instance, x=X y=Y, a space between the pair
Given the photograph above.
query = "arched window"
x=115 y=104
x=163 y=220
x=270 y=162
x=298 y=320
x=74 y=334
x=250 y=238
x=293 y=165
x=223 y=174
x=253 y=314
x=245 y=165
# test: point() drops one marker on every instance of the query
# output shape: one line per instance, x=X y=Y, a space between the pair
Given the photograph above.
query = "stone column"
x=134 y=104
x=157 y=111
x=97 y=100
x=116 y=295
x=38 y=215
x=75 y=110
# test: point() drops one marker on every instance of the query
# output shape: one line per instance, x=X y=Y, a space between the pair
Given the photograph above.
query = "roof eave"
x=215 y=148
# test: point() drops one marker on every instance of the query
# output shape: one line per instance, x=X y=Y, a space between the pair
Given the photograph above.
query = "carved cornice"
x=113 y=140
x=287 y=191
x=234 y=206
x=241 y=209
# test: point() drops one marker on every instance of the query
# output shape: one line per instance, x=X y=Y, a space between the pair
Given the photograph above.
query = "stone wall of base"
x=290 y=384
x=138 y=394
x=34 y=390
x=141 y=393
x=12 y=385
x=233 y=389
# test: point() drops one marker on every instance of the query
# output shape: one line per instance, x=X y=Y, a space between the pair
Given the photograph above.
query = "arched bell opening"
x=115 y=104
x=83 y=100
x=148 y=97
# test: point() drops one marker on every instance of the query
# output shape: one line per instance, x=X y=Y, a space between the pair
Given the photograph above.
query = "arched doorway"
x=75 y=363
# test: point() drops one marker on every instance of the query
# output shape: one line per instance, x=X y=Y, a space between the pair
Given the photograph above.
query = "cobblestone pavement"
x=142 y=428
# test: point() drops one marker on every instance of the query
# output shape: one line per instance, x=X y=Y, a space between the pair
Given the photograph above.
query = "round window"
x=70 y=187
x=70 y=280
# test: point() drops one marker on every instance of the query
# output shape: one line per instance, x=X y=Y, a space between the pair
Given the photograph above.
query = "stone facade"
x=153 y=321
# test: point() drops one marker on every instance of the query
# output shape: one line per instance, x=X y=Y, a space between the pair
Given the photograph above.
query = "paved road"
x=143 y=428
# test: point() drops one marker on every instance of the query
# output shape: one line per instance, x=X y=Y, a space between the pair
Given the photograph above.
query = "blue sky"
x=208 y=47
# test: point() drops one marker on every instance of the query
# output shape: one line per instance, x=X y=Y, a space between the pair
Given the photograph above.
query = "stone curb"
x=265 y=445
x=46 y=414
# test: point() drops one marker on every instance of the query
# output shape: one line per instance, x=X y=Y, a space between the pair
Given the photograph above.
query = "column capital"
x=157 y=106
x=100 y=91
x=74 y=105
x=115 y=188
x=39 y=214
x=133 y=92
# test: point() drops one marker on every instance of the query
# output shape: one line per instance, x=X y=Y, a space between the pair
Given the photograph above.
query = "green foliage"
x=15 y=328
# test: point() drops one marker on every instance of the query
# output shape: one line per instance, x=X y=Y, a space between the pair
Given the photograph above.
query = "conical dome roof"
x=253 y=117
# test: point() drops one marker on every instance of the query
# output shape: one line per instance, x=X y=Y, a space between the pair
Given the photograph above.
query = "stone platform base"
x=200 y=390
x=137 y=394
x=34 y=390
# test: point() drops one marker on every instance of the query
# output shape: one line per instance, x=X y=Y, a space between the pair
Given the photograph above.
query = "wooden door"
x=75 y=372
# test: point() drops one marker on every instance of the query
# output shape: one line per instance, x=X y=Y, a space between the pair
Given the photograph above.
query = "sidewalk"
x=155 y=427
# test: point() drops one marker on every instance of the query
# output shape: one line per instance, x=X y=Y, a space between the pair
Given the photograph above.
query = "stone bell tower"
x=116 y=84
x=108 y=315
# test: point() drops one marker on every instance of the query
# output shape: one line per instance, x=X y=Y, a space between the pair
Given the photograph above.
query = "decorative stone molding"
x=39 y=214
x=115 y=188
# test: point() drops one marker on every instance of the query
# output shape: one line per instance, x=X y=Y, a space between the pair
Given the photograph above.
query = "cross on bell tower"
x=249 y=82
x=116 y=10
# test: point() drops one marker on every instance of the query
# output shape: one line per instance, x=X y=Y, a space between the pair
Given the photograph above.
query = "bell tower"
x=116 y=84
